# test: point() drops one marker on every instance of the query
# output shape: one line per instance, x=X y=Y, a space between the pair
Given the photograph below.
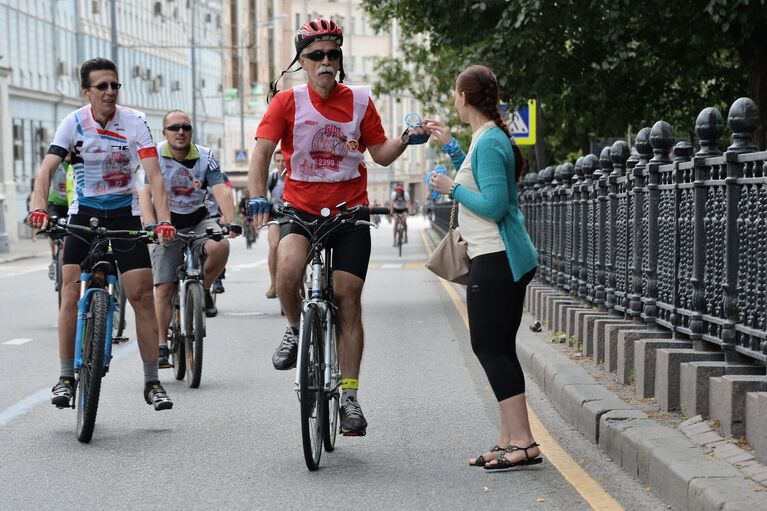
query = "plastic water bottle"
x=439 y=170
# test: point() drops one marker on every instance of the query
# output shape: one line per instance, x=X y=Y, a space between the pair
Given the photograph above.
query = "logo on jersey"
x=182 y=183
x=116 y=170
x=328 y=147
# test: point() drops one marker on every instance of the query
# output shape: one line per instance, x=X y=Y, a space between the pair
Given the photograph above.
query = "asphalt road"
x=234 y=443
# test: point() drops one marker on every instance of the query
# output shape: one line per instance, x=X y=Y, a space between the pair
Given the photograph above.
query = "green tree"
x=595 y=66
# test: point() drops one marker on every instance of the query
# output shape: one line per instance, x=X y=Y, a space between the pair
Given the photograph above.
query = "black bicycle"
x=187 y=326
x=318 y=378
x=95 y=315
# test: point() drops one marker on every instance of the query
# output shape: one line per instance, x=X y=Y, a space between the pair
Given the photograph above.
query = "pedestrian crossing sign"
x=240 y=155
x=521 y=122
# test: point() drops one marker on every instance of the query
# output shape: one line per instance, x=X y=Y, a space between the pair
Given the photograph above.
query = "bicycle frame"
x=192 y=272
x=326 y=308
x=86 y=293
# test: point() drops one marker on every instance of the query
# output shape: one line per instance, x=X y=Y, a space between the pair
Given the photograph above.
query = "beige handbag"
x=450 y=259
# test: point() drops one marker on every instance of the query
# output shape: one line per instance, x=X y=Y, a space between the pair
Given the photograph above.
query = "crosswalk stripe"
x=17 y=342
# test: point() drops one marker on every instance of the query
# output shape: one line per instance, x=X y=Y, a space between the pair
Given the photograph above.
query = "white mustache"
x=326 y=69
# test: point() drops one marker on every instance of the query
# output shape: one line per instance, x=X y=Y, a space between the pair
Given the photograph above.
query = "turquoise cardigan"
x=494 y=170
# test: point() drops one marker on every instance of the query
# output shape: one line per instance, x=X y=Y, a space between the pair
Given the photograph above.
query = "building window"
x=18 y=140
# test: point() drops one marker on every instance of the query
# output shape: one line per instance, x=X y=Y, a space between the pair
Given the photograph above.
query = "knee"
x=140 y=295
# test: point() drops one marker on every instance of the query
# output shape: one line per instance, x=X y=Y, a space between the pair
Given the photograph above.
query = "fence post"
x=661 y=140
x=709 y=127
x=644 y=150
x=556 y=226
x=743 y=119
x=619 y=153
x=682 y=153
x=576 y=221
x=588 y=165
x=567 y=226
x=548 y=176
x=606 y=165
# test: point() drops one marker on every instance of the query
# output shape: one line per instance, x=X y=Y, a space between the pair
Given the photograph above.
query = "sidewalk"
x=654 y=448
x=26 y=248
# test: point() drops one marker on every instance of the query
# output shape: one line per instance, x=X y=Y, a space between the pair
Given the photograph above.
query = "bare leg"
x=217 y=256
x=515 y=428
x=273 y=236
x=70 y=294
x=291 y=255
x=163 y=293
x=138 y=288
x=348 y=291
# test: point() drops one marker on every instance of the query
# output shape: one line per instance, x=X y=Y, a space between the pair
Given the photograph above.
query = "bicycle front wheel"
x=195 y=331
x=311 y=396
x=89 y=382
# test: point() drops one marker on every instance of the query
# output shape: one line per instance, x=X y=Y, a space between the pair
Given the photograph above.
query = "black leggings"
x=494 y=302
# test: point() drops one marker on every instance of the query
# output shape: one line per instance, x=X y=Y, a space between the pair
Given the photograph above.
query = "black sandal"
x=480 y=460
x=502 y=463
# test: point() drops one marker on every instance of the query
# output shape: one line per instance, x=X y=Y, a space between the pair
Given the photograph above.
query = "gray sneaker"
x=353 y=423
x=284 y=357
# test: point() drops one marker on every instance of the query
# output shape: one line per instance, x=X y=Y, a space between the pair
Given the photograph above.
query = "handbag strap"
x=452 y=215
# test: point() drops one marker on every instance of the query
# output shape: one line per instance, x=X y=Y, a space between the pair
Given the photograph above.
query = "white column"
x=7 y=181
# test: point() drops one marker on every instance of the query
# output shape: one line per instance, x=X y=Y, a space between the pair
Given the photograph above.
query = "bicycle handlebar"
x=102 y=232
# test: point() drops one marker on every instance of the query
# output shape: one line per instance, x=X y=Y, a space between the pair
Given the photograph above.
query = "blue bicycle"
x=99 y=300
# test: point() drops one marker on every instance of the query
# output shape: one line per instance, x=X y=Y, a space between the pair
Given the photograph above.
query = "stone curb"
x=676 y=469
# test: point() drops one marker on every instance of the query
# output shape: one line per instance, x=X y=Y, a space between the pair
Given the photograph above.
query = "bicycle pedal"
x=352 y=433
x=118 y=340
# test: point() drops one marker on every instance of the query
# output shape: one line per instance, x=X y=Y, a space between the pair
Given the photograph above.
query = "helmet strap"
x=273 y=85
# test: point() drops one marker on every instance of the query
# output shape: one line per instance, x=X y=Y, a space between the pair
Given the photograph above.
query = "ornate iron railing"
x=668 y=236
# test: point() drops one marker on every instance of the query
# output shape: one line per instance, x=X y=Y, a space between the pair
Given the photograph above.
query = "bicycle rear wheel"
x=332 y=402
x=89 y=381
x=310 y=394
x=195 y=325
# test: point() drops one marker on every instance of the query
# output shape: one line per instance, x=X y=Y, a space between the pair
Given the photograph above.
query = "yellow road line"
x=588 y=488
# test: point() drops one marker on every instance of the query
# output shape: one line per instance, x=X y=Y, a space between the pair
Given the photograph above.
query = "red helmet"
x=399 y=189
x=318 y=29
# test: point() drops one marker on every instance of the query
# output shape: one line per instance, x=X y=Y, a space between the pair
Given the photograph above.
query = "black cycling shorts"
x=350 y=244
x=129 y=254
x=58 y=210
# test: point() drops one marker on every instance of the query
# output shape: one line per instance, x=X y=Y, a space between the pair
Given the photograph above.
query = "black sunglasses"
x=105 y=85
x=176 y=127
x=319 y=55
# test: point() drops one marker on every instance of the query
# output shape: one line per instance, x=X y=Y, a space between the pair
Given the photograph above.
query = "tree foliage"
x=595 y=66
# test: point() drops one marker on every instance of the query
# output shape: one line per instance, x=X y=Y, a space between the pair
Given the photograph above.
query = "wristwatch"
x=405 y=137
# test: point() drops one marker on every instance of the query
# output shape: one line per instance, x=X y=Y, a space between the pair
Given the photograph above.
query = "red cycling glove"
x=166 y=230
x=39 y=218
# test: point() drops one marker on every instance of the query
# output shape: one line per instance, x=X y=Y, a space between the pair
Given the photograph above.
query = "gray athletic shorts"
x=166 y=259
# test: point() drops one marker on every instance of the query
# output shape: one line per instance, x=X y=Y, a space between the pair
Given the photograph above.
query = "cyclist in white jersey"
x=108 y=144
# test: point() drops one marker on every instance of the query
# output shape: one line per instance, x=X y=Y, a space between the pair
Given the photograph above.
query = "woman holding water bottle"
x=503 y=259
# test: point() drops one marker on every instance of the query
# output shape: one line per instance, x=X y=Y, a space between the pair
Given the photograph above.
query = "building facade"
x=43 y=42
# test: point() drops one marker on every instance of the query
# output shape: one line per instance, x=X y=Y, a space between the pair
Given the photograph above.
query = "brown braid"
x=480 y=86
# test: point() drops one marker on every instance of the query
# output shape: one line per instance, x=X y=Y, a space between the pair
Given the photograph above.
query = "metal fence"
x=668 y=236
